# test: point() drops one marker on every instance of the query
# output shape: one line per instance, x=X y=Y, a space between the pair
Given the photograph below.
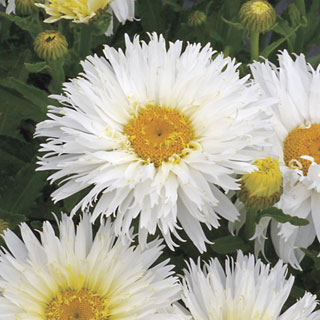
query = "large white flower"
x=245 y=290
x=78 y=276
x=296 y=85
x=155 y=132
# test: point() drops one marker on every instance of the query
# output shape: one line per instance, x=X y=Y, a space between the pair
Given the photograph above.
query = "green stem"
x=254 y=45
x=85 y=40
x=57 y=74
x=250 y=225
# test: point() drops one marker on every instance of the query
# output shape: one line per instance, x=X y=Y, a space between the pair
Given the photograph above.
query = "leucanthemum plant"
x=156 y=133
x=76 y=275
x=296 y=144
x=246 y=289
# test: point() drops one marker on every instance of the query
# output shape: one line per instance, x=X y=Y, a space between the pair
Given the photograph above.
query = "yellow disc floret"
x=77 y=305
x=302 y=141
x=263 y=187
x=80 y=11
x=159 y=134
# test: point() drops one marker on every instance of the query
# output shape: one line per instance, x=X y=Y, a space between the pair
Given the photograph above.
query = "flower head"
x=257 y=15
x=197 y=18
x=295 y=84
x=245 y=290
x=74 y=275
x=82 y=11
x=50 y=45
x=262 y=188
x=155 y=132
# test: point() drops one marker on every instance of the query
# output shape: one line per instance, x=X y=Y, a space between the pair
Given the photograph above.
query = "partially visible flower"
x=295 y=84
x=155 y=133
x=50 y=45
x=257 y=15
x=83 y=11
x=245 y=290
x=262 y=188
x=10 y=5
x=75 y=275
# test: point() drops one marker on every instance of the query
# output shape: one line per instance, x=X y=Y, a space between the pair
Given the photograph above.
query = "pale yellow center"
x=259 y=7
x=77 y=10
x=302 y=142
x=158 y=133
x=262 y=188
x=77 y=305
x=266 y=180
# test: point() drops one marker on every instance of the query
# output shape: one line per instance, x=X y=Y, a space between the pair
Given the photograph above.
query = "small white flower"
x=77 y=276
x=295 y=84
x=245 y=290
x=155 y=132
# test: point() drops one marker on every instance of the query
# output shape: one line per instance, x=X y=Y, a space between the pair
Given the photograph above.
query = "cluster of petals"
x=87 y=147
x=295 y=85
x=246 y=289
x=33 y=272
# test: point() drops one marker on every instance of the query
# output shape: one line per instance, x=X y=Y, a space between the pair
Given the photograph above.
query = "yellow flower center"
x=302 y=141
x=260 y=7
x=77 y=305
x=159 y=134
x=77 y=10
x=263 y=187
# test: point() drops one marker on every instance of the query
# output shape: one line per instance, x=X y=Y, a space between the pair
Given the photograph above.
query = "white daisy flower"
x=296 y=144
x=155 y=132
x=78 y=276
x=245 y=290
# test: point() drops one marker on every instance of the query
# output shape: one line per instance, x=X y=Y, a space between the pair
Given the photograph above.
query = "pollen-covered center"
x=77 y=305
x=302 y=141
x=158 y=133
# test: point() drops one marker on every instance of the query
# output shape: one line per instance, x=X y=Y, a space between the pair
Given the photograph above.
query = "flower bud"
x=197 y=18
x=257 y=15
x=50 y=45
x=262 y=188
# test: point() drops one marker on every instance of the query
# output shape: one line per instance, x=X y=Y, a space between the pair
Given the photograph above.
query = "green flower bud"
x=50 y=45
x=197 y=18
x=25 y=7
x=257 y=15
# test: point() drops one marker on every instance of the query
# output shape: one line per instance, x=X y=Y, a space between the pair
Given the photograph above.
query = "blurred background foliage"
x=26 y=82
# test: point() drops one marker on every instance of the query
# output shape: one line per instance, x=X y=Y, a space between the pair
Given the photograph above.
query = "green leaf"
x=30 y=24
x=16 y=148
x=23 y=191
x=237 y=25
x=12 y=218
x=229 y=244
x=314 y=256
x=280 y=216
x=149 y=13
x=37 y=67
